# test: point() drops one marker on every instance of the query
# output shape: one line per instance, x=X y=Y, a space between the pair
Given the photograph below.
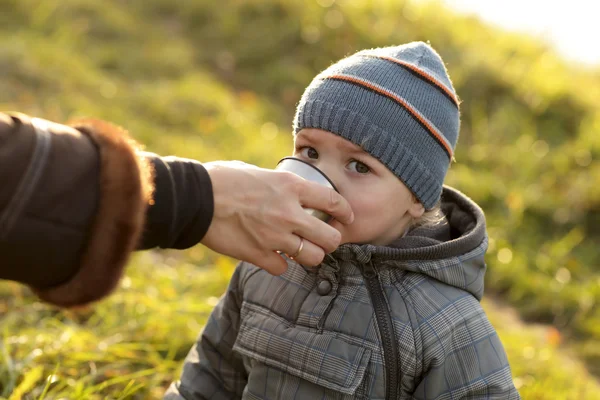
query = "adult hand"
x=259 y=211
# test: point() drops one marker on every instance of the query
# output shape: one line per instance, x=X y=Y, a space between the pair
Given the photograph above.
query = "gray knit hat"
x=398 y=104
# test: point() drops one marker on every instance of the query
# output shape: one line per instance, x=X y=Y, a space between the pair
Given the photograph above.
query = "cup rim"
x=312 y=166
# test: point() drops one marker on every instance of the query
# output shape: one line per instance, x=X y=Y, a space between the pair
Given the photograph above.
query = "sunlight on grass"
x=131 y=346
x=542 y=368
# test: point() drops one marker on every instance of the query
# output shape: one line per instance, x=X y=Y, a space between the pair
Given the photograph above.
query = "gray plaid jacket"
x=314 y=334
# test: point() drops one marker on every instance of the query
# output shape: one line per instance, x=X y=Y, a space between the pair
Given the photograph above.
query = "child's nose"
x=329 y=171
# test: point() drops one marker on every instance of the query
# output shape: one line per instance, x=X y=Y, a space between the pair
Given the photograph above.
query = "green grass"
x=207 y=82
x=131 y=346
x=543 y=366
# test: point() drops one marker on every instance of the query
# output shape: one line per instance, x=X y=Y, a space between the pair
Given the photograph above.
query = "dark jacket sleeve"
x=76 y=200
x=182 y=207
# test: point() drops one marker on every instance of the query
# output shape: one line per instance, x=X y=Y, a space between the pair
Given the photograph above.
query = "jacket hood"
x=452 y=252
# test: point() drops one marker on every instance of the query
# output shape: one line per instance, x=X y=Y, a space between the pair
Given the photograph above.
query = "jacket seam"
x=247 y=275
x=30 y=179
x=353 y=340
x=404 y=294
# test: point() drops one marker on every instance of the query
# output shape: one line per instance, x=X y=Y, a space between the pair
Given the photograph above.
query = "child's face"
x=383 y=206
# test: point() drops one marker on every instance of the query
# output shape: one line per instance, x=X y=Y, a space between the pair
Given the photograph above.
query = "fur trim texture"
x=126 y=186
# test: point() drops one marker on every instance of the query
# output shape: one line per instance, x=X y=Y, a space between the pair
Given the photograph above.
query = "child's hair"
x=399 y=98
x=431 y=218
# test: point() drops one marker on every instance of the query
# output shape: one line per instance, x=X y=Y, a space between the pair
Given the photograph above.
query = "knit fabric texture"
x=398 y=104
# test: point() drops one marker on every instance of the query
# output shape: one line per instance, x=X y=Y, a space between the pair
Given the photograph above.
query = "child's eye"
x=309 y=152
x=359 y=167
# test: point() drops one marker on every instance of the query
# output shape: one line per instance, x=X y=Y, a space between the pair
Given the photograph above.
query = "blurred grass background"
x=210 y=81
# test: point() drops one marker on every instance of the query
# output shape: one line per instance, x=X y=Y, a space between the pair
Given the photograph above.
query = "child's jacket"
x=397 y=322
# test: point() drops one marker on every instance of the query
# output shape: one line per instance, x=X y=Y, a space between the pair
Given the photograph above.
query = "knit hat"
x=398 y=104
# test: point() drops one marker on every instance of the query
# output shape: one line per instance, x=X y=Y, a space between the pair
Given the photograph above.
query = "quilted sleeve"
x=211 y=369
x=463 y=355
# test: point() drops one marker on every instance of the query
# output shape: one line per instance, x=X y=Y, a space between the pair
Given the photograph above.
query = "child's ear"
x=416 y=209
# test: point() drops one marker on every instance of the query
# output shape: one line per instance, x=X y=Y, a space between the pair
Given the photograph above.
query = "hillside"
x=221 y=82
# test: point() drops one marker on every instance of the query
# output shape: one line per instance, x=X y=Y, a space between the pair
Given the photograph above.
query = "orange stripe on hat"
x=422 y=73
x=423 y=121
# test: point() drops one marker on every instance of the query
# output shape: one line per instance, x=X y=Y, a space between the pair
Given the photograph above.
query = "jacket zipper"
x=386 y=330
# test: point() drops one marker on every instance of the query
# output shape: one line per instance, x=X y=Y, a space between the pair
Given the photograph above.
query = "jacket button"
x=324 y=287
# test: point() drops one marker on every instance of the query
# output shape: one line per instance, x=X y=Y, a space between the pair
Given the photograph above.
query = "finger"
x=294 y=245
x=304 y=251
x=271 y=262
x=314 y=195
x=311 y=255
x=318 y=232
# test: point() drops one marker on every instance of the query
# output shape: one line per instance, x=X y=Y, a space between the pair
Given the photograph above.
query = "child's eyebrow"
x=342 y=144
x=302 y=136
x=350 y=147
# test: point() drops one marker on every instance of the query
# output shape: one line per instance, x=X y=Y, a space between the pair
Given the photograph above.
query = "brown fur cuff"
x=125 y=191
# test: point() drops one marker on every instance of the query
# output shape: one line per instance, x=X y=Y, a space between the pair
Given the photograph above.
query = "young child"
x=394 y=312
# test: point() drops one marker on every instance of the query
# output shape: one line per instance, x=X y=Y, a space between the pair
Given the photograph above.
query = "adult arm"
x=240 y=210
x=72 y=206
x=76 y=200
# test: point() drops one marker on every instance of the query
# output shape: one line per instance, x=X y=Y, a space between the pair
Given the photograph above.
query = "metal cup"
x=311 y=173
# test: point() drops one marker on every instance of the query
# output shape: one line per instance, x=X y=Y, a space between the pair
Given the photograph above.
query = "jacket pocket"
x=318 y=358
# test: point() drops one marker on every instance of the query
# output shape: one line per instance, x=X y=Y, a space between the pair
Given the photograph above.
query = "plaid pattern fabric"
x=291 y=337
x=278 y=338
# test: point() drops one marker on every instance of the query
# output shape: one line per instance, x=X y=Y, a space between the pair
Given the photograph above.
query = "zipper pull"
x=331 y=261
x=370 y=271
